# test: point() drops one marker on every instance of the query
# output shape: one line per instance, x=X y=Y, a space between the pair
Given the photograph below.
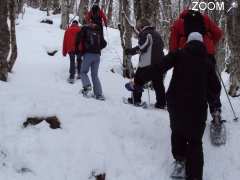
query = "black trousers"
x=145 y=75
x=72 y=69
x=186 y=139
x=214 y=92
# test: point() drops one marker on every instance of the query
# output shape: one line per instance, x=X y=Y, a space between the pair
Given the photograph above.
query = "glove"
x=131 y=51
x=127 y=51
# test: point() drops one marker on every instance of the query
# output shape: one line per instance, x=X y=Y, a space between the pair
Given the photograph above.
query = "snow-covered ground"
x=127 y=143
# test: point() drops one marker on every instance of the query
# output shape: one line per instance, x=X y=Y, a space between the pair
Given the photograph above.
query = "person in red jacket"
x=97 y=16
x=70 y=48
x=211 y=36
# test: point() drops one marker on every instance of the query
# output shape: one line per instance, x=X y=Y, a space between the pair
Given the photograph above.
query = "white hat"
x=195 y=36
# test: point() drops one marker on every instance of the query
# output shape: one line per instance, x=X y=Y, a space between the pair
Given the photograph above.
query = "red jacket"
x=101 y=15
x=178 y=38
x=70 y=39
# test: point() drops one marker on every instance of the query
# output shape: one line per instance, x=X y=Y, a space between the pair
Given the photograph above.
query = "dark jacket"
x=178 y=38
x=150 y=46
x=81 y=40
x=193 y=76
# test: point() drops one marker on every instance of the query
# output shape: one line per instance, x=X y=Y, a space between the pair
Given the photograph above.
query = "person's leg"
x=141 y=77
x=215 y=91
x=72 y=65
x=79 y=62
x=160 y=92
x=195 y=159
x=86 y=63
x=97 y=87
x=178 y=139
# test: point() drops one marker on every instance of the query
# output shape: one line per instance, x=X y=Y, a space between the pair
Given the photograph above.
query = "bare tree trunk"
x=233 y=29
x=126 y=36
x=109 y=13
x=166 y=20
x=20 y=4
x=43 y=5
x=83 y=6
x=65 y=14
x=13 y=42
x=56 y=7
x=34 y=3
x=72 y=5
x=4 y=40
x=8 y=48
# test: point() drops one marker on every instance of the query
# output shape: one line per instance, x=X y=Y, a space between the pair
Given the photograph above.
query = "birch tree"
x=65 y=10
x=233 y=36
x=126 y=36
x=83 y=6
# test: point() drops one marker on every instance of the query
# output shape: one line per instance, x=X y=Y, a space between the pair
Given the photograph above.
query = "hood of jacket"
x=196 y=48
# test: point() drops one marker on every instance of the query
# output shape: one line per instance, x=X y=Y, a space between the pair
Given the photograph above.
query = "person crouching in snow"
x=90 y=43
x=69 y=48
x=150 y=47
x=192 y=79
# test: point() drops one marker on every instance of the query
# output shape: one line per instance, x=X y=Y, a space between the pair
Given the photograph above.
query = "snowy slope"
x=127 y=143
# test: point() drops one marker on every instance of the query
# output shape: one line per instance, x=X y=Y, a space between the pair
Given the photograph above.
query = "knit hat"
x=195 y=36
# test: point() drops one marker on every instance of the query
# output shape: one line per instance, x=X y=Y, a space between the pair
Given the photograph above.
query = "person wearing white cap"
x=187 y=95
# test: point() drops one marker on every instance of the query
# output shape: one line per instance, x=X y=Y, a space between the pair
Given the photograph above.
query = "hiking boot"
x=71 y=79
x=78 y=76
x=179 y=170
x=100 y=97
x=136 y=103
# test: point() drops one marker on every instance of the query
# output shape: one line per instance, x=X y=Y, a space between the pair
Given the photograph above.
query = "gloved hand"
x=127 y=51
x=131 y=51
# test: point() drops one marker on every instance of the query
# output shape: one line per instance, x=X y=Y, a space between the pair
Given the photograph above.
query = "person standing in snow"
x=69 y=48
x=90 y=43
x=97 y=16
x=187 y=95
x=150 y=47
x=193 y=21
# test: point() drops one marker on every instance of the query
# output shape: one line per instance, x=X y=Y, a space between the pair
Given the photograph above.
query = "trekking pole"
x=234 y=114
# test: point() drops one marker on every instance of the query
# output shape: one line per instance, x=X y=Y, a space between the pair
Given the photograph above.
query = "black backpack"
x=92 y=40
x=194 y=22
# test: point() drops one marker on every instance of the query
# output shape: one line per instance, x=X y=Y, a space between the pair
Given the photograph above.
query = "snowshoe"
x=218 y=134
x=178 y=170
x=131 y=87
x=137 y=104
x=217 y=129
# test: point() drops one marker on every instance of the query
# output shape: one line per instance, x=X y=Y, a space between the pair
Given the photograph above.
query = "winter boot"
x=136 y=103
x=100 y=97
x=86 y=91
x=78 y=76
x=179 y=171
x=71 y=79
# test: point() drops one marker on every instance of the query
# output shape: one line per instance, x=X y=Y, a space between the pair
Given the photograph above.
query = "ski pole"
x=234 y=114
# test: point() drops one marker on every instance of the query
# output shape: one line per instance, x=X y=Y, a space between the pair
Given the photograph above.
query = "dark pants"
x=186 y=139
x=214 y=92
x=72 y=69
x=145 y=75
